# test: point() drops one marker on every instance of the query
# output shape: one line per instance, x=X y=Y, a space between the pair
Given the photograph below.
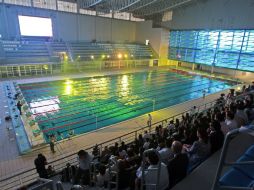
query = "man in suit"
x=177 y=167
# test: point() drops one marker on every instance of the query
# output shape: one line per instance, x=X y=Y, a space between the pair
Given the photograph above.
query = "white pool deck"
x=10 y=160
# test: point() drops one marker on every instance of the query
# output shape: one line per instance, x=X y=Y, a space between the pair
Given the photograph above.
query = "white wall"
x=144 y=31
x=68 y=26
x=214 y=14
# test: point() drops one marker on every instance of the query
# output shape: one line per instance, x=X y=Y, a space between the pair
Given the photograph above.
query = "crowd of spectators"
x=176 y=148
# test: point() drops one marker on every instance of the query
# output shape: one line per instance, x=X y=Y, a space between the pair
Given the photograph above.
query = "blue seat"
x=235 y=177
x=246 y=169
x=250 y=151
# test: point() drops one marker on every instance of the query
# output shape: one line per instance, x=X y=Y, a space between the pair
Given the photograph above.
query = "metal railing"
x=28 y=176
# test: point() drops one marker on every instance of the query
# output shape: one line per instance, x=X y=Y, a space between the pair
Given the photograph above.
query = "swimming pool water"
x=85 y=104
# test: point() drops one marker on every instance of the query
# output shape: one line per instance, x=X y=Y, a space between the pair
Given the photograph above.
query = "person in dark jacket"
x=216 y=136
x=177 y=167
x=19 y=106
x=40 y=162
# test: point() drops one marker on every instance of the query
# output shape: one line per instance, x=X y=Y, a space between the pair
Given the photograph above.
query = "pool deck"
x=11 y=162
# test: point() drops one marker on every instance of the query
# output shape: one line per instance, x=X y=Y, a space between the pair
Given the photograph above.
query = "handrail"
x=120 y=138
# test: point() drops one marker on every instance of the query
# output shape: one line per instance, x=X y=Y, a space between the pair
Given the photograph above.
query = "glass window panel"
x=246 y=62
x=226 y=39
x=221 y=48
x=19 y=2
x=87 y=12
x=122 y=16
x=237 y=40
x=67 y=6
x=226 y=59
x=204 y=57
x=45 y=4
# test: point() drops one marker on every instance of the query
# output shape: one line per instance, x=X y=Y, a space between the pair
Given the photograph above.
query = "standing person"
x=204 y=92
x=83 y=173
x=52 y=143
x=149 y=122
x=40 y=162
x=19 y=106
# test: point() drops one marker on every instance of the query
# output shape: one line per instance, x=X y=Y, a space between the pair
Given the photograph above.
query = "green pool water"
x=85 y=104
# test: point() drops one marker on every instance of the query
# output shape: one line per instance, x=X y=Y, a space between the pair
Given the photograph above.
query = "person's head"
x=202 y=134
x=240 y=105
x=145 y=132
x=82 y=154
x=40 y=155
x=130 y=152
x=171 y=122
x=161 y=143
x=219 y=117
x=229 y=115
x=215 y=126
x=153 y=158
x=177 y=147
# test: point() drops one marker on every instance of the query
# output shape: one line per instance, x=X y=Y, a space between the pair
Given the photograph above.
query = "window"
x=108 y=15
x=67 y=6
x=223 y=48
x=87 y=12
x=45 y=4
x=19 y=2
x=122 y=16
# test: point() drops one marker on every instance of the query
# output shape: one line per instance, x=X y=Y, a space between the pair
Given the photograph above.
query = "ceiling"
x=139 y=8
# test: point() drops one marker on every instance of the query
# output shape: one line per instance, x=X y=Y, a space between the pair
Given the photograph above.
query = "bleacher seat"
x=241 y=175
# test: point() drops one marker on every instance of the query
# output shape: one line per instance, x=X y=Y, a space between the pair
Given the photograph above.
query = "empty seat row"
x=241 y=174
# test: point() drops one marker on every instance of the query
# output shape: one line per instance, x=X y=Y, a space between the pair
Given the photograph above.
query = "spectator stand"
x=239 y=174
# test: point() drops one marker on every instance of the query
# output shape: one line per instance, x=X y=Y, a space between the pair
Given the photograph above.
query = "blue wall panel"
x=222 y=48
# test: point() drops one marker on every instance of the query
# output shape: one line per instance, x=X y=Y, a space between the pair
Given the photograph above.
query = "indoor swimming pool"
x=76 y=106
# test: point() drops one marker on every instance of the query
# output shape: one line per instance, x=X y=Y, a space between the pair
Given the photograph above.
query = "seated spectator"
x=146 y=135
x=146 y=145
x=171 y=125
x=200 y=149
x=240 y=116
x=122 y=153
x=151 y=173
x=165 y=151
x=177 y=167
x=101 y=179
x=216 y=136
x=230 y=122
x=96 y=151
x=84 y=160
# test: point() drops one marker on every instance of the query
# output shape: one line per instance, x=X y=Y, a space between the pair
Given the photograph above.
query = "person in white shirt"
x=171 y=125
x=165 y=151
x=230 y=122
x=147 y=135
x=193 y=111
x=102 y=178
x=149 y=121
x=151 y=173
x=146 y=144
